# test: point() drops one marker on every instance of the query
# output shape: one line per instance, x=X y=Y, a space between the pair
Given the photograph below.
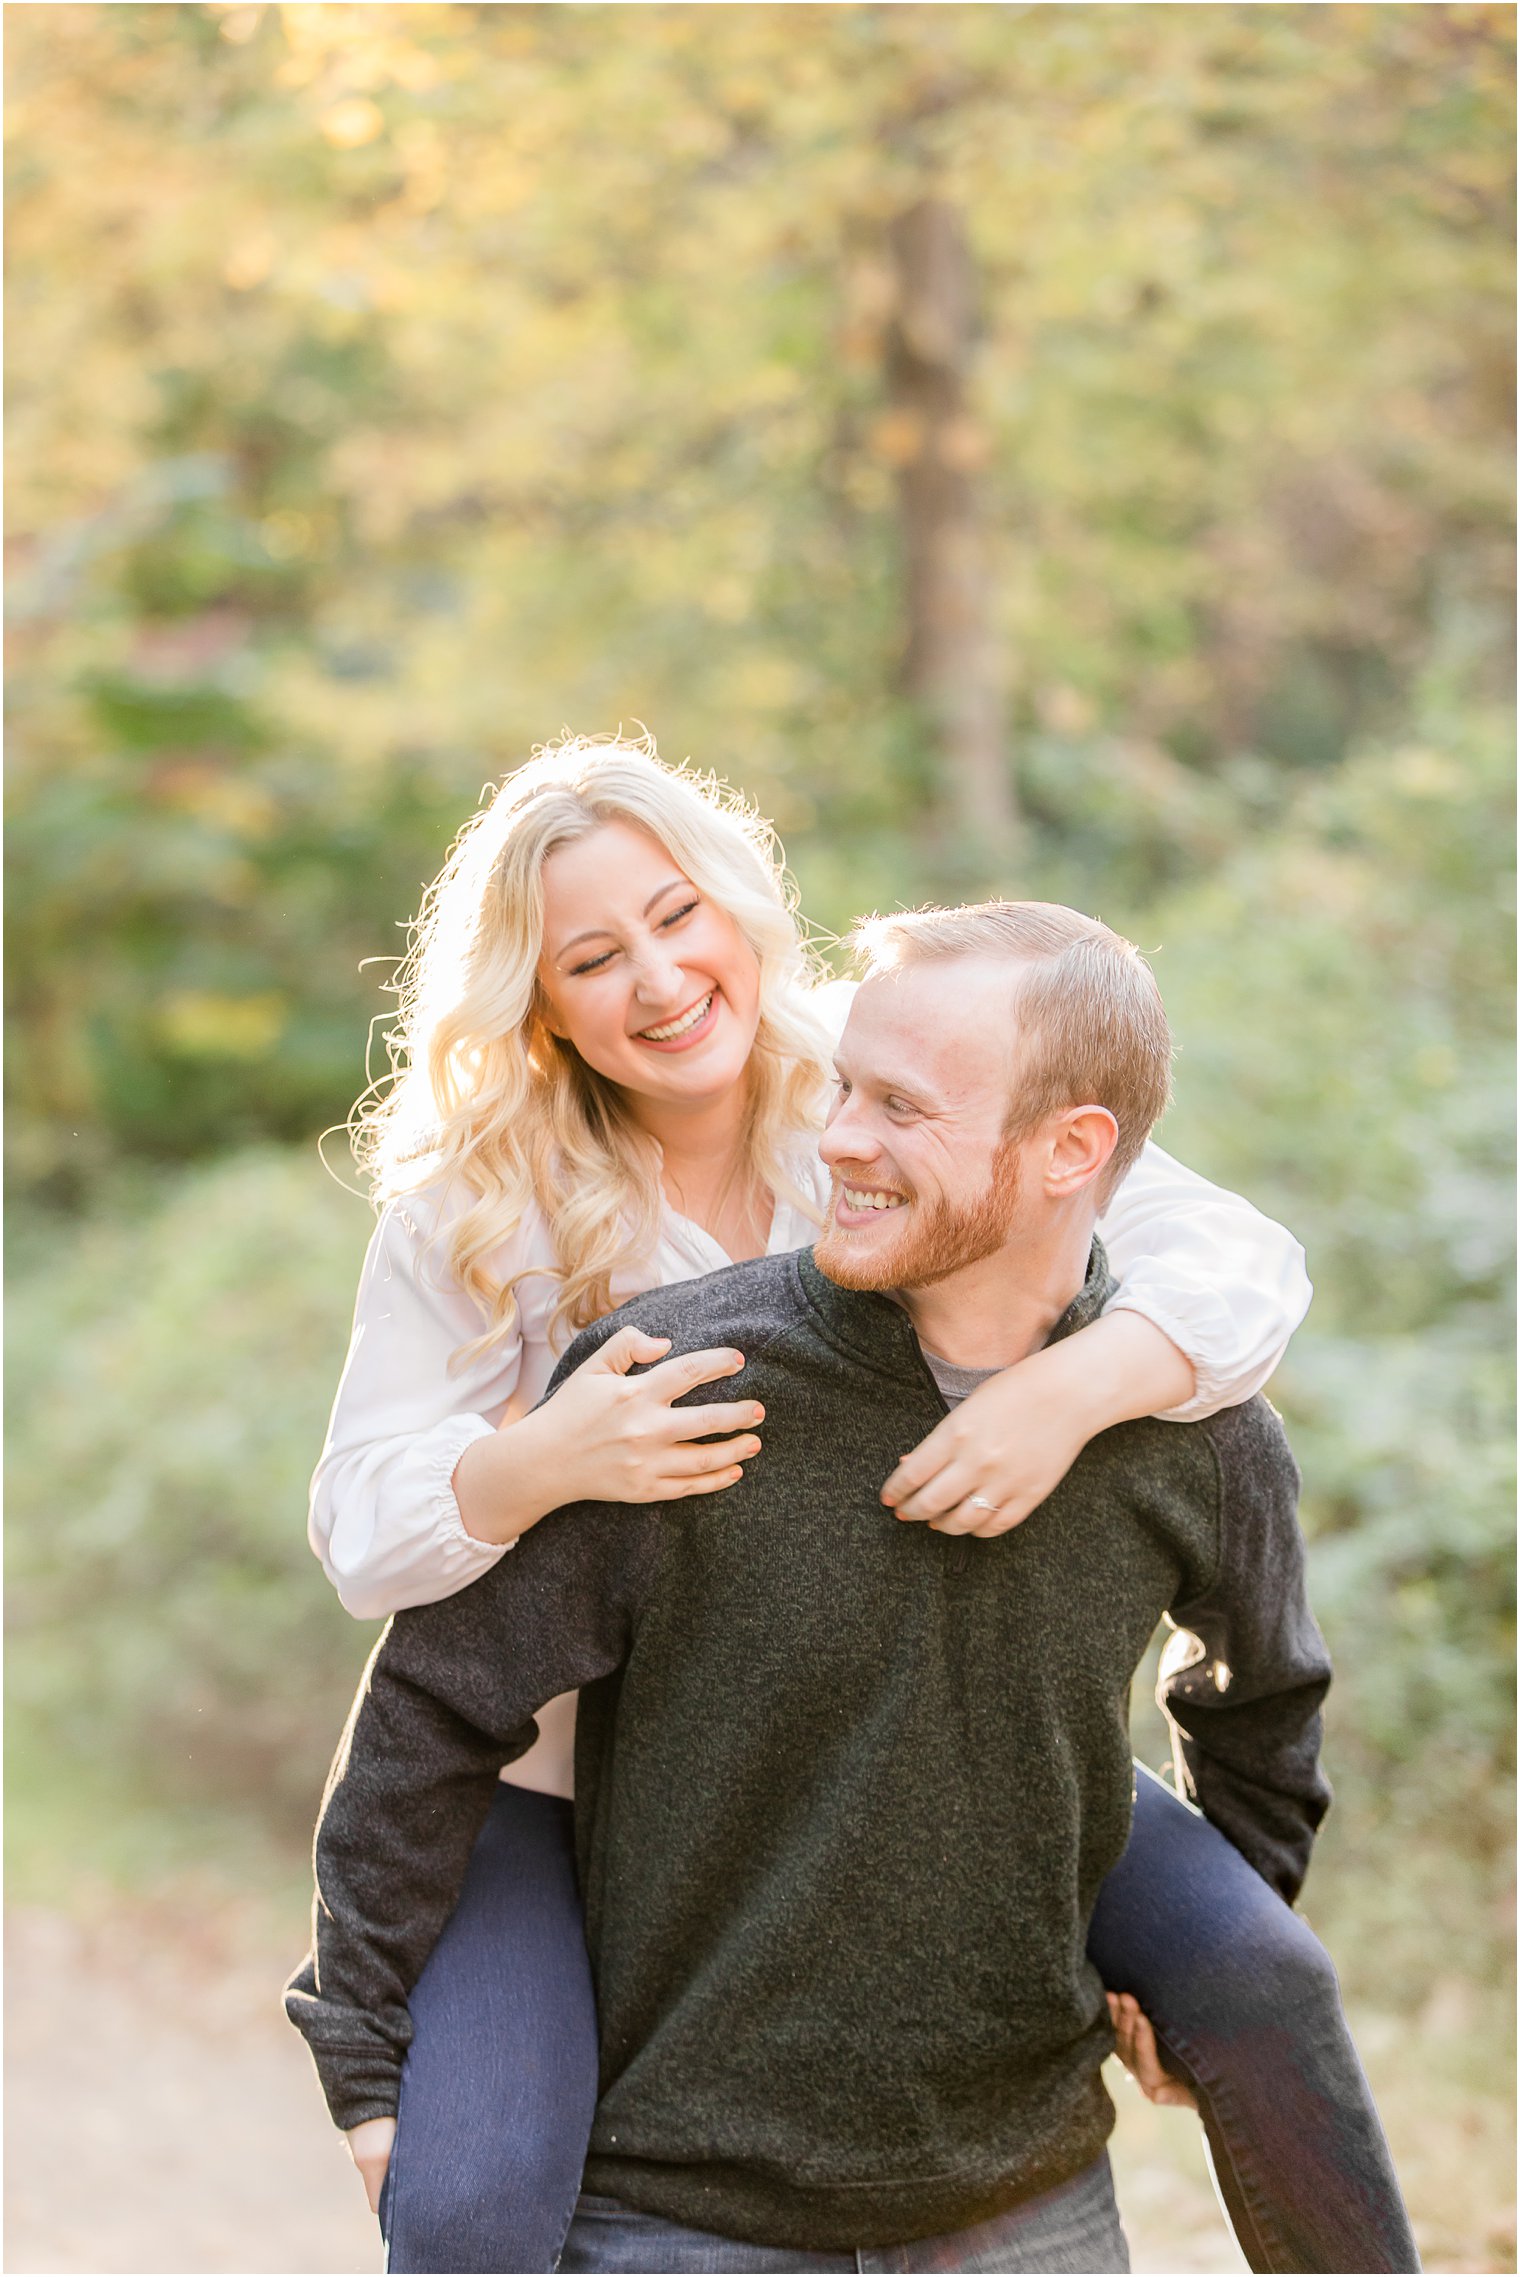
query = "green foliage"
x=1342 y=992
x=171 y=1363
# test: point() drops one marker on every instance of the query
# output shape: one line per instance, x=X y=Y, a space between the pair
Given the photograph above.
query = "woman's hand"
x=369 y=2146
x=606 y=1436
x=1011 y=1442
x=1137 y=2051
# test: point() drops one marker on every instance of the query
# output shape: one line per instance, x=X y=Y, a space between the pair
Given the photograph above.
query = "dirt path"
x=162 y=2117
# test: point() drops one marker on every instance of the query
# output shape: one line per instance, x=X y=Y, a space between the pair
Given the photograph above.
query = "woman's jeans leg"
x=1245 y=2000
x=500 y=2081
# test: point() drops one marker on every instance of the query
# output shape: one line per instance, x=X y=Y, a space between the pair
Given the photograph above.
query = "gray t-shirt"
x=955 y=1384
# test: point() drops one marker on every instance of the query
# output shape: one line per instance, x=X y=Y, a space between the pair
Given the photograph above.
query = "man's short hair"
x=1094 y=1029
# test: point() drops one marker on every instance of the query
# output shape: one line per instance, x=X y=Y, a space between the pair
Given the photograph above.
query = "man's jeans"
x=1071 y=2231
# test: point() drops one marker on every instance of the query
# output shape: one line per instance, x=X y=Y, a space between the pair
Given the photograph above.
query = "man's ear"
x=1082 y=1141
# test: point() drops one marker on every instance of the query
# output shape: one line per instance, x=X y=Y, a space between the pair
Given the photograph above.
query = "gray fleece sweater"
x=846 y=1788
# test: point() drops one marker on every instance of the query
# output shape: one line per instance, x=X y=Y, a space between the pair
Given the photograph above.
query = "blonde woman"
x=614 y=1061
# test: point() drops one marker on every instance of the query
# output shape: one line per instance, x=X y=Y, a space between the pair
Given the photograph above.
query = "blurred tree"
x=930 y=437
x=1341 y=992
x=393 y=384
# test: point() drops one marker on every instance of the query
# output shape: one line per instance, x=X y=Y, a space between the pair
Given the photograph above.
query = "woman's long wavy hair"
x=486 y=1102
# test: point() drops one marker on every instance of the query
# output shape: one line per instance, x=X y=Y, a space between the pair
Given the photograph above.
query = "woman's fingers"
x=957 y=1500
x=970 y=1508
x=1151 y=2072
x=1140 y=2055
x=609 y=1434
x=935 y=1483
x=711 y=1482
x=696 y=1462
x=939 y=1489
x=1009 y=1443
x=629 y=1348
x=721 y=1415
x=369 y=2146
x=688 y=1369
x=976 y=1513
x=960 y=1501
x=917 y=1468
x=1124 y=2010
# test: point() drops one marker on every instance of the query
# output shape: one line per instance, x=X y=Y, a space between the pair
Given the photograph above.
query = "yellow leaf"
x=412 y=68
x=964 y=445
x=204 y=1025
x=727 y=600
x=250 y=261
x=897 y=437
x=239 y=25
x=354 y=121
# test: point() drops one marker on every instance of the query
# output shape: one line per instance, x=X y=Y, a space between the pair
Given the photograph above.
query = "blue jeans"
x=1245 y=2001
x=1072 y=2231
x=500 y=2082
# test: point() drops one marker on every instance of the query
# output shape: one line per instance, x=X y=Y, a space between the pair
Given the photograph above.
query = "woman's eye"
x=676 y=915
x=595 y=964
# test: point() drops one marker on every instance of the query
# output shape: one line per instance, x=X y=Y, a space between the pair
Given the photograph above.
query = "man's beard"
x=935 y=1239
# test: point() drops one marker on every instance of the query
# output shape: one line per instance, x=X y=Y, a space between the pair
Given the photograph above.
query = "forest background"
x=1062 y=450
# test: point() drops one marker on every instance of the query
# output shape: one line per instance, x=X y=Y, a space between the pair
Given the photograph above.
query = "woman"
x=616 y=1059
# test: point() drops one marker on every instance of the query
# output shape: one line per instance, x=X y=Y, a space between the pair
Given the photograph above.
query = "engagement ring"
x=979 y=1502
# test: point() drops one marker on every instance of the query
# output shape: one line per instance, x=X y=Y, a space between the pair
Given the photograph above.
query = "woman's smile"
x=687 y=1028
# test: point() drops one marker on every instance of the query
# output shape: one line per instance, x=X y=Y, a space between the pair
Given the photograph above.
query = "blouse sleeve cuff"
x=1192 y=1336
x=449 y=1443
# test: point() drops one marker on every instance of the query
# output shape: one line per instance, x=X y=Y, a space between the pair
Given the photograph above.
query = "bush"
x=1341 y=992
x=172 y=1362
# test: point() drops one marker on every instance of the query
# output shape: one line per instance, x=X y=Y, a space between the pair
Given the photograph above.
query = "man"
x=847 y=1788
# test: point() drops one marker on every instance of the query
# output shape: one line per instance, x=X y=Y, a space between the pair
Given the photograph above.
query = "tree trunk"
x=951 y=664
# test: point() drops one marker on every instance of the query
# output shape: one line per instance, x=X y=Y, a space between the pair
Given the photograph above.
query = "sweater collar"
x=875 y=1330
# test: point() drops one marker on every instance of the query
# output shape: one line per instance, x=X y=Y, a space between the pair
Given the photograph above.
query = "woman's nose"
x=658 y=977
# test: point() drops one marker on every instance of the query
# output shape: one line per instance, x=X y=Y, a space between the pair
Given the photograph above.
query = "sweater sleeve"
x=448 y=1698
x=1225 y=1283
x=1243 y=1679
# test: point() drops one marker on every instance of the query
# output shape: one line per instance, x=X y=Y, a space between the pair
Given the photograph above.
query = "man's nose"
x=845 y=1138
